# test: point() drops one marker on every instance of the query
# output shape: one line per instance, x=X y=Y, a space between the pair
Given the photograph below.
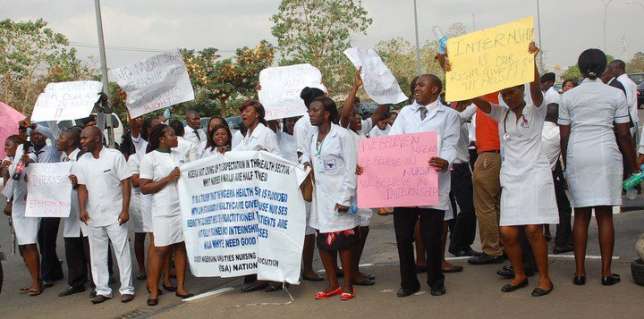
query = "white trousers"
x=99 y=237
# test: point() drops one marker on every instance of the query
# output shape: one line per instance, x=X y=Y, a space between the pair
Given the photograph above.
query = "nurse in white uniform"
x=25 y=228
x=590 y=117
x=334 y=160
x=528 y=195
x=258 y=138
x=159 y=173
x=217 y=142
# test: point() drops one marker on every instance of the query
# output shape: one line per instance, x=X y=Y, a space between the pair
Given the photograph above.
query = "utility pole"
x=418 y=71
x=606 y=4
x=541 y=65
x=101 y=49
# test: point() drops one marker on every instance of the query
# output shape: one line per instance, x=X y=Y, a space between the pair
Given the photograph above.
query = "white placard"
x=49 y=190
x=154 y=83
x=281 y=87
x=66 y=101
x=243 y=214
x=379 y=83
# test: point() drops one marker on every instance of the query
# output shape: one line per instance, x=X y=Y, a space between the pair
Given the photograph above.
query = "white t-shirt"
x=102 y=177
x=156 y=166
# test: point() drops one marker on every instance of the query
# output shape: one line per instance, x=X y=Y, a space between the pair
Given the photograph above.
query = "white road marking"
x=209 y=293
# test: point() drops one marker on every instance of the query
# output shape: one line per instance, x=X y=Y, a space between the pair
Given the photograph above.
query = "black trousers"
x=431 y=225
x=463 y=226
x=564 y=229
x=79 y=271
x=50 y=268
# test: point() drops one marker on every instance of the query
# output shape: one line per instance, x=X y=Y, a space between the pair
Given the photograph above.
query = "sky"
x=136 y=29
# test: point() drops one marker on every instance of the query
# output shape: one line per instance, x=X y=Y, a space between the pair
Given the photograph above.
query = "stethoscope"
x=524 y=123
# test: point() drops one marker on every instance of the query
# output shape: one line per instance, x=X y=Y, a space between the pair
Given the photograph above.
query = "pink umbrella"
x=9 y=119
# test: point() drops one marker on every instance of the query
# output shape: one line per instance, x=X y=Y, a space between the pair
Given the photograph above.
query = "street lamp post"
x=101 y=49
x=606 y=4
x=418 y=71
x=541 y=65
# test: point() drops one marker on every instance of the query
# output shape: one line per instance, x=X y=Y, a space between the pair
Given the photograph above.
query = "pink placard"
x=396 y=171
x=9 y=119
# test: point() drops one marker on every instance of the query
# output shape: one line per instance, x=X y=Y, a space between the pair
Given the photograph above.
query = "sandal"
x=346 y=296
x=34 y=292
x=323 y=295
x=364 y=281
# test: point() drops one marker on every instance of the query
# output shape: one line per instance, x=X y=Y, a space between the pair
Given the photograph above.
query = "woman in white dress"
x=528 y=198
x=333 y=156
x=25 y=228
x=258 y=137
x=159 y=173
x=590 y=116
x=217 y=142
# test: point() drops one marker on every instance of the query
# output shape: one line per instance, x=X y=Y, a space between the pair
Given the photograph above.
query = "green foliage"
x=636 y=64
x=573 y=72
x=317 y=32
x=32 y=55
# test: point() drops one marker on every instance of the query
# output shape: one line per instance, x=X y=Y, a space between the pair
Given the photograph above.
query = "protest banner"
x=243 y=214
x=66 y=101
x=49 y=190
x=154 y=83
x=490 y=60
x=281 y=87
x=9 y=119
x=396 y=171
x=379 y=83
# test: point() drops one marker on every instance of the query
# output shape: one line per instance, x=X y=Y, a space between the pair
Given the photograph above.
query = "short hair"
x=191 y=112
x=177 y=126
x=547 y=77
x=619 y=64
x=592 y=63
x=15 y=139
x=259 y=108
x=309 y=94
x=329 y=106
x=73 y=132
x=435 y=80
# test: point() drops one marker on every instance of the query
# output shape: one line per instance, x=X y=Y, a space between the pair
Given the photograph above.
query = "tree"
x=636 y=64
x=317 y=32
x=221 y=85
x=32 y=55
x=573 y=72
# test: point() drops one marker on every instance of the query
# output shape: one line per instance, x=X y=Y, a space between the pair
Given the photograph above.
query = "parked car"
x=638 y=78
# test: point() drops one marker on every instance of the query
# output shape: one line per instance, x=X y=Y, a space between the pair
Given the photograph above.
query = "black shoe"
x=507 y=272
x=254 y=286
x=485 y=259
x=47 y=284
x=563 y=249
x=610 y=280
x=99 y=299
x=92 y=293
x=579 y=280
x=188 y=295
x=438 y=290
x=169 y=288
x=511 y=287
x=539 y=292
x=402 y=292
x=71 y=290
x=465 y=252
x=127 y=298
x=153 y=302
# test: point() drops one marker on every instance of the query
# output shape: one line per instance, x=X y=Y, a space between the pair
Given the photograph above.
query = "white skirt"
x=26 y=228
x=146 y=213
x=167 y=230
x=530 y=199
x=136 y=214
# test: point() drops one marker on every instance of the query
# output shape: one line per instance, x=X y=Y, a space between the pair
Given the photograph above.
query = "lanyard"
x=524 y=123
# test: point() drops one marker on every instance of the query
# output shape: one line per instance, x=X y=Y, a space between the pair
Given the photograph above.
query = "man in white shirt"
x=550 y=94
x=618 y=70
x=104 y=198
x=426 y=114
x=193 y=131
x=551 y=149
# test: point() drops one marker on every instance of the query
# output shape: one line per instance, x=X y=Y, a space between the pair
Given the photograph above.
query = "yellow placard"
x=489 y=60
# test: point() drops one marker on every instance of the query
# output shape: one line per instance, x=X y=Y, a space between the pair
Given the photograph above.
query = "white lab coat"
x=334 y=166
x=73 y=227
x=260 y=139
x=528 y=193
x=594 y=168
x=194 y=136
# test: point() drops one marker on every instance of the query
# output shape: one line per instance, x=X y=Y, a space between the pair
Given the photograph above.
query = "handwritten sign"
x=242 y=215
x=379 y=83
x=396 y=171
x=49 y=190
x=154 y=83
x=66 y=101
x=281 y=88
x=490 y=60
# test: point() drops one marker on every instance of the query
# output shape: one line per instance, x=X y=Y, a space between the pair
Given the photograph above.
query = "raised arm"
x=349 y=103
x=535 y=85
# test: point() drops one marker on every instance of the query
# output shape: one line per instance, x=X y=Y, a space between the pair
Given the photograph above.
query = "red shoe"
x=346 y=296
x=323 y=295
